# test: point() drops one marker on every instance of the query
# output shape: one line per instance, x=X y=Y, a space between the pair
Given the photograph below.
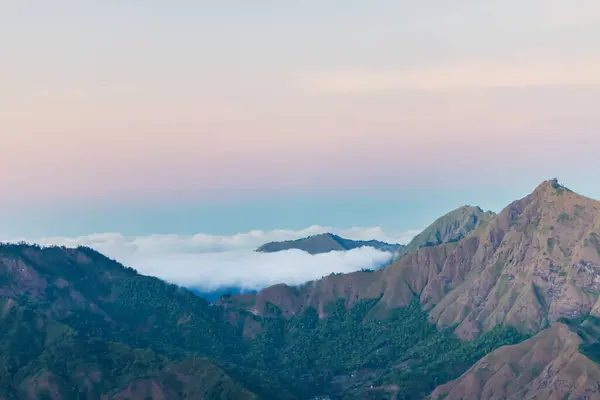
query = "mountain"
x=74 y=321
x=449 y=228
x=535 y=262
x=531 y=266
x=324 y=243
x=509 y=309
x=77 y=324
x=548 y=366
x=43 y=359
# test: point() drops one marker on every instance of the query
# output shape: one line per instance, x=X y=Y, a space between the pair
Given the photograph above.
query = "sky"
x=146 y=117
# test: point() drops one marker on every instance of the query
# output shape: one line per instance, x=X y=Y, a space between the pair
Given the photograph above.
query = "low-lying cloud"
x=210 y=262
x=250 y=270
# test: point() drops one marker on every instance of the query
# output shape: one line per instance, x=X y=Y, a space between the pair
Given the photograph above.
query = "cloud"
x=250 y=270
x=210 y=262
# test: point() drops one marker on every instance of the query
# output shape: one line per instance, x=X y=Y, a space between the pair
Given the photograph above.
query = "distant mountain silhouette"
x=324 y=243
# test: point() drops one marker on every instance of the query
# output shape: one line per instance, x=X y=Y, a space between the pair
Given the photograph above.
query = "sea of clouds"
x=211 y=262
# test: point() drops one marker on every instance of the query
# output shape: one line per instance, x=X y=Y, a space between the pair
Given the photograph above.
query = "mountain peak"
x=551 y=186
x=537 y=261
x=451 y=227
x=551 y=198
x=327 y=235
x=324 y=243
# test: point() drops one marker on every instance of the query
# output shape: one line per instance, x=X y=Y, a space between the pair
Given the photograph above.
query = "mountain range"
x=502 y=306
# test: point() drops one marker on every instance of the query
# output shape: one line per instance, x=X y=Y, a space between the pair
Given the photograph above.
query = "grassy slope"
x=550 y=365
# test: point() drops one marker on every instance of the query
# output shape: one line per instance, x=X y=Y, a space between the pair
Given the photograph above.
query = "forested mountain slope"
x=45 y=359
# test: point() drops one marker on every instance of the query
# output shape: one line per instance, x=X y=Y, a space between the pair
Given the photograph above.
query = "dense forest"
x=347 y=352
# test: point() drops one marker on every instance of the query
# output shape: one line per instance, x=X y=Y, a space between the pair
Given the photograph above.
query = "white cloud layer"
x=210 y=262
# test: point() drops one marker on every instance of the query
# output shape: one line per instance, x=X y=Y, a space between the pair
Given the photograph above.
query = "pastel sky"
x=223 y=116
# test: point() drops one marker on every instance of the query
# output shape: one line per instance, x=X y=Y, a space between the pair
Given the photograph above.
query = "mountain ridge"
x=436 y=317
x=531 y=266
x=324 y=243
x=451 y=227
x=457 y=222
x=463 y=282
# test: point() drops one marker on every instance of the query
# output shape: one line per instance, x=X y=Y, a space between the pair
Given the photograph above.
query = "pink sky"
x=159 y=106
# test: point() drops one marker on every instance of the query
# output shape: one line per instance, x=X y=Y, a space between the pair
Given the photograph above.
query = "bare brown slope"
x=396 y=285
x=536 y=261
x=547 y=366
